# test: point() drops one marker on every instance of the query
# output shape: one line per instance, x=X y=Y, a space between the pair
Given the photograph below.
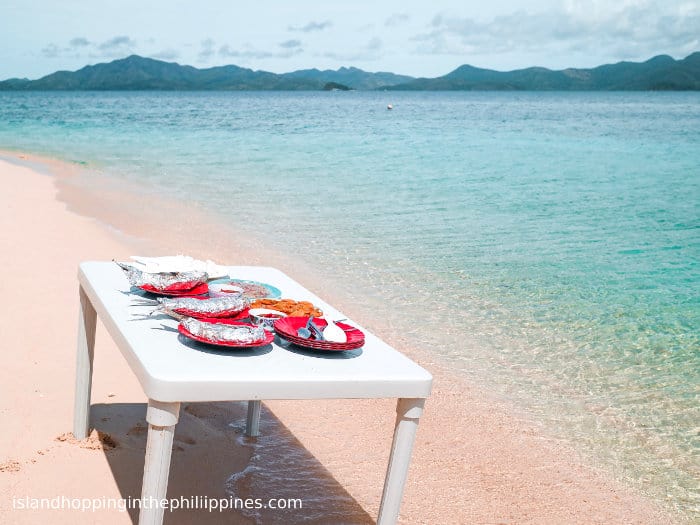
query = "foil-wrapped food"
x=165 y=281
x=224 y=333
x=217 y=307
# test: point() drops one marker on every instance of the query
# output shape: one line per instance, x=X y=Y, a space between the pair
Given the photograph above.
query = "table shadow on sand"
x=212 y=457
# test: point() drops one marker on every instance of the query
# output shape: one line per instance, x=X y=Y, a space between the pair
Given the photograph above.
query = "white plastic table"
x=171 y=372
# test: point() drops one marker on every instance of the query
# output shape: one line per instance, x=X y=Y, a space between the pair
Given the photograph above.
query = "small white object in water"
x=389 y=106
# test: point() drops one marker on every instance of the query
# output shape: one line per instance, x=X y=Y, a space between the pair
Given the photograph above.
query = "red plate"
x=200 y=289
x=269 y=337
x=287 y=327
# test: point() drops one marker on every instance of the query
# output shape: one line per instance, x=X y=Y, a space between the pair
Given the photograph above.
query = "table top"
x=171 y=367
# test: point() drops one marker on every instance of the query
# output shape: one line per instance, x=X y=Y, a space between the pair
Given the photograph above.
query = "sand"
x=475 y=459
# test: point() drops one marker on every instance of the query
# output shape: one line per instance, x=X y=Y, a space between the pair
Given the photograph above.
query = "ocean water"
x=546 y=245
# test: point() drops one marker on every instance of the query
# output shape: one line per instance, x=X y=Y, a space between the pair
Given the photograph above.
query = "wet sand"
x=476 y=460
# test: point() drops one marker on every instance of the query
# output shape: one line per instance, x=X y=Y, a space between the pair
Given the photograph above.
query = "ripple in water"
x=281 y=468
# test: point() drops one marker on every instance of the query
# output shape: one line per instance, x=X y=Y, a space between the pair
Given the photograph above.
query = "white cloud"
x=248 y=52
x=312 y=26
x=372 y=50
x=397 y=19
x=120 y=43
x=207 y=50
x=80 y=47
x=627 y=29
x=166 y=54
x=289 y=44
x=51 y=51
x=79 y=42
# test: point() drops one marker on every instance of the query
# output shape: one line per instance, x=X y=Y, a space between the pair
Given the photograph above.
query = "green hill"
x=351 y=77
x=659 y=73
x=139 y=73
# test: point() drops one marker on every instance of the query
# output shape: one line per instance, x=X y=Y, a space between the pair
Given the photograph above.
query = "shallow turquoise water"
x=548 y=241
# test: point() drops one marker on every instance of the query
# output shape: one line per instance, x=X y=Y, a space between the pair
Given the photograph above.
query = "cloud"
x=207 y=50
x=397 y=19
x=312 y=26
x=118 y=42
x=51 y=51
x=370 y=51
x=249 y=52
x=54 y=51
x=226 y=52
x=79 y=42
x=630 y=29
x=80 y=47
x=289 y=44
x=166 y=54
x=374 y=44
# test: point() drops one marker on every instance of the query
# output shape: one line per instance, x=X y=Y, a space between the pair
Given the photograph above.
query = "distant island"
x=139 y=73
x=334 y=86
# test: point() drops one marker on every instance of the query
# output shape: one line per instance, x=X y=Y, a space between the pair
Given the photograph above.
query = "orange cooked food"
x=288 y=306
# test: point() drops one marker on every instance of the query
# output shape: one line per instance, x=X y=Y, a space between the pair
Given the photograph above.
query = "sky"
x=418 y=38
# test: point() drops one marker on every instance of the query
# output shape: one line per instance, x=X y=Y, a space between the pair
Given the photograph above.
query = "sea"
x=544 y=245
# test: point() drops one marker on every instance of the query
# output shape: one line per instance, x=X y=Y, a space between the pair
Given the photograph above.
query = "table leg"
x=252 y=425
x=162 y=418
x=408 y=412
x=87 y=321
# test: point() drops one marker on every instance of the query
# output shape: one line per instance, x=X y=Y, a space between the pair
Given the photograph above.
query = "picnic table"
x=171 y=373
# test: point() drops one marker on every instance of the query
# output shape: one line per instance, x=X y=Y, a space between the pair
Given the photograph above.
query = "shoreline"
x=493 y=466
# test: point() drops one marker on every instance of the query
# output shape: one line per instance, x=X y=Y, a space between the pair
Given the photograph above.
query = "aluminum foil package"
x=219 y=307
x=166 y=281
x=224 y=333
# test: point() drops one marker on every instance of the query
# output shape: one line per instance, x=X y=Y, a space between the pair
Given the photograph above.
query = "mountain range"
x=138 y=73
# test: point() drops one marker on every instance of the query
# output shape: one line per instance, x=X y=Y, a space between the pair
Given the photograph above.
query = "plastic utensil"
x=304 y=330
x=318 y=334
